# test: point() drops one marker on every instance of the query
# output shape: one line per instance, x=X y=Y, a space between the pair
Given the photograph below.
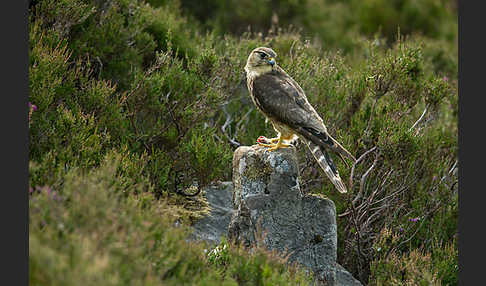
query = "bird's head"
x=261 y=60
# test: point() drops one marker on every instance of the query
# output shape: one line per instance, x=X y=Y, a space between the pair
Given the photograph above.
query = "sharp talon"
x=272 y=143
x=278 y=146
x=266 y=145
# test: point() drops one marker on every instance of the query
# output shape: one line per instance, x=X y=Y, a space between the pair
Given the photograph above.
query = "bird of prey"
x=284 y=103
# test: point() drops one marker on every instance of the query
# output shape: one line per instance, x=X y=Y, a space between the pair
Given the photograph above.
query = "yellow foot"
x=270 y=143
x=278 y=146
x=273 y=140
x=266 y=145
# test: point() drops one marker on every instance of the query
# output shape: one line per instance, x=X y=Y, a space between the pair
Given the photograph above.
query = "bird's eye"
x=262 y=55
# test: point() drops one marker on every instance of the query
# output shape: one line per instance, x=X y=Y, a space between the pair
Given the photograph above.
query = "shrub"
x=263 y=268
x=417 y=267
x=87 y=232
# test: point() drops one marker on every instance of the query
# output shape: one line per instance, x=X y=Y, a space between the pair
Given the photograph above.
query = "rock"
x=270 y=209
x=212 y=227
x=344 y=278
x=268 y=197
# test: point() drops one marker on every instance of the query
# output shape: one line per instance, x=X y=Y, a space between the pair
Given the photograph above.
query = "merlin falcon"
x=283 y=102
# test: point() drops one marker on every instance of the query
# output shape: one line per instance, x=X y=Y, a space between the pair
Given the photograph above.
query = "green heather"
x=136 y=103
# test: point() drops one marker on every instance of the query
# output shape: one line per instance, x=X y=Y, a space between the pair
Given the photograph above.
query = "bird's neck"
x=255 y=71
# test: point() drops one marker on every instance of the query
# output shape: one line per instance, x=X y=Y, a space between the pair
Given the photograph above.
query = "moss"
x=263 y=171
x=319 y=195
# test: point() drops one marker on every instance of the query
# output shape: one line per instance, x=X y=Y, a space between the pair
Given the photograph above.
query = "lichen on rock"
x=270 y=209
x=267 y=207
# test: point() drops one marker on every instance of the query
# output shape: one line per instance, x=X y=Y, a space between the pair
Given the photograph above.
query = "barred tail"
x=326 y=163
x=324 y=139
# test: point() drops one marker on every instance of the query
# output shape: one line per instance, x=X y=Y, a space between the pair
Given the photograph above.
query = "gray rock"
x=271 y=209
x=267 y=197
x=344 y=278
x=215 y=225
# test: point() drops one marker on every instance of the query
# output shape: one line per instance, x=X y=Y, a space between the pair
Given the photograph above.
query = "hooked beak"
x=271 y=61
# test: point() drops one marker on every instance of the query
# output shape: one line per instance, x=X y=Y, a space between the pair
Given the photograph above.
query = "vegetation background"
x=136 y=104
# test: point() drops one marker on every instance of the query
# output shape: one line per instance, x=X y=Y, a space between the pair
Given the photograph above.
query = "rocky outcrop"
x=344 y=278
x=265 y=206
x=214 y=226
x=269 y=205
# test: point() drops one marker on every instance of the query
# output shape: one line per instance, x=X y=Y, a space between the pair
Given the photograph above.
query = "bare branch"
x=363 y=179
x=225 y=125
x=420 y=118
x=356 y=163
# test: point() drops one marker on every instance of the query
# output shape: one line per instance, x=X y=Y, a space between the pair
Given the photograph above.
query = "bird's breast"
x=250 y=82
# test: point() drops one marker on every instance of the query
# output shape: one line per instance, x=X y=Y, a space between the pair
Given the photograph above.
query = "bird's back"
x=279 y=96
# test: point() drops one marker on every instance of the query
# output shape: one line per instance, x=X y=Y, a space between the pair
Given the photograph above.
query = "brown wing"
x=280 y=99
x=283 y=100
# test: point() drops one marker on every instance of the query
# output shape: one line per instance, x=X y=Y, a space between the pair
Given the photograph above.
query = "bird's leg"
x=270 y=142
x=273 y=140
x=267 y=145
